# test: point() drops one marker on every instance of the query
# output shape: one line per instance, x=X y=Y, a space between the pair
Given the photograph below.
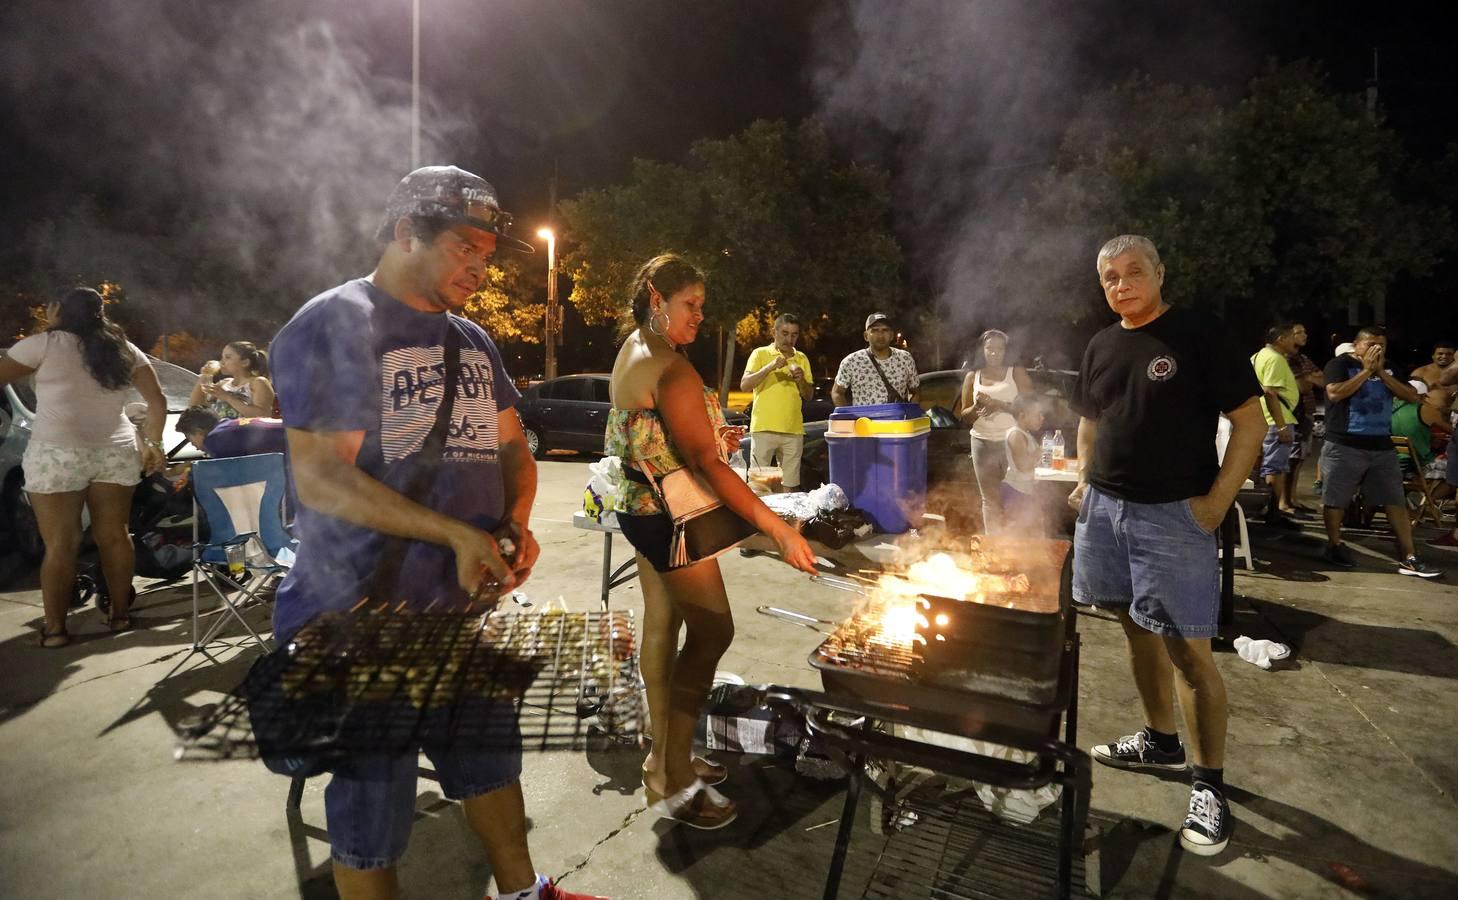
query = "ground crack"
x=627 y=821
x=151 y=662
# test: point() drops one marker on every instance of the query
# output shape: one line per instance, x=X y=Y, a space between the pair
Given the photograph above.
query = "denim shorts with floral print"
x=57 y=469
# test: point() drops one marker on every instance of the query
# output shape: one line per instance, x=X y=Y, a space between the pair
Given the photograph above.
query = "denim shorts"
x=370 y=801
x=1345 y=469
x=1276 y=456
x=1153 y=558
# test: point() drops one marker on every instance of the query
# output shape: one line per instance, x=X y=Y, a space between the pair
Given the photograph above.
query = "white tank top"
x=994 y=427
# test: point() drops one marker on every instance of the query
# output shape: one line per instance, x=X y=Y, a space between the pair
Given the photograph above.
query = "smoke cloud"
x=236 y=157
x=966 y=102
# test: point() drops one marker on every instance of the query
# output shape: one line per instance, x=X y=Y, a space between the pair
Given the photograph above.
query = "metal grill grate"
x=957 y=850
x=861 y=643
x=381 y=680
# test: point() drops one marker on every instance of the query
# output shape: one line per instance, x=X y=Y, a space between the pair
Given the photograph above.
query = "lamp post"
x=415 y=85
x=554 y=324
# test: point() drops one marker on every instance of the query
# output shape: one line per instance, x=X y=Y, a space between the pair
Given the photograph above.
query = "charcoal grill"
x=381 y=679
x=1001 y=667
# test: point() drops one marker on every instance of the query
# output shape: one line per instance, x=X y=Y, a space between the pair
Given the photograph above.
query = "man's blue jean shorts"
x=370 y=801
x=1276 y=456
x=1152 y=558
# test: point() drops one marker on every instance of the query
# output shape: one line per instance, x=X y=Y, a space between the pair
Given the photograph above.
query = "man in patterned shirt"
x=880 y=373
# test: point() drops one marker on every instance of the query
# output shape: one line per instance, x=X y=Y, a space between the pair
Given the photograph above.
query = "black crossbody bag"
x=892 y=395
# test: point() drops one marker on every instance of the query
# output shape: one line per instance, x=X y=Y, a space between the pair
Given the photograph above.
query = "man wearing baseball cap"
x=880 y=373
x=397 y=509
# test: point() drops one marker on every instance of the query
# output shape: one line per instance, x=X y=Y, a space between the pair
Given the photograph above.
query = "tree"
x=499 y=305
x=1294 y=197
x=769 y=214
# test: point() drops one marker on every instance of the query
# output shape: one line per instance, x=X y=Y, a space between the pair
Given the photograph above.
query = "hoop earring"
x=653 y=324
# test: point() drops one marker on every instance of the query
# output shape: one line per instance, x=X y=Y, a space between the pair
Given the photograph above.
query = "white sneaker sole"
x=1202 y=849
x=1418 y=574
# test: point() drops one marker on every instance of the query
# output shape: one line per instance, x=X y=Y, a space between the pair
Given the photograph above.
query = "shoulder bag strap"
x=392 y=554
x=892 y=394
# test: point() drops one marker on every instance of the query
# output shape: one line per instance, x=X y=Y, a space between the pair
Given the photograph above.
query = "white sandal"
x=680 y=806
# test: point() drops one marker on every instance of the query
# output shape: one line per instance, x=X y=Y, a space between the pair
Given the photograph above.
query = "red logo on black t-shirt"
x=1162 y=368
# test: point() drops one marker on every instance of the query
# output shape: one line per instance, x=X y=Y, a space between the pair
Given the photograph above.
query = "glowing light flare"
x=940 y=575
x=898 y=624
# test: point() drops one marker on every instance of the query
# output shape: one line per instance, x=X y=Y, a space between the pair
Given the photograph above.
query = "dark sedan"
x=571 y=412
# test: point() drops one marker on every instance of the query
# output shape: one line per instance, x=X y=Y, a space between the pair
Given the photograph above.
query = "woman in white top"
x=83 y=450
x=987 y=395
x=244 y=392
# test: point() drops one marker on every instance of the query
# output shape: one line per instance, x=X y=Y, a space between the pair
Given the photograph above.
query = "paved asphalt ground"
x=1342 y=767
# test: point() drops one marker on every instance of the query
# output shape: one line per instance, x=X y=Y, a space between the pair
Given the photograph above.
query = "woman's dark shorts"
x=650 y=535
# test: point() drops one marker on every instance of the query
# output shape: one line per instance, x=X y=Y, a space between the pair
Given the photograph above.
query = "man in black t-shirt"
x=1150 y=393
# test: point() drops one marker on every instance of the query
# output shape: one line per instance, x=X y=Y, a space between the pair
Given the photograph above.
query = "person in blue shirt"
x=360 y=374
x=1359 y=452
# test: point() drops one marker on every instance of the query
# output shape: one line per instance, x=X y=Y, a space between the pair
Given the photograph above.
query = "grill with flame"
x=988 y=622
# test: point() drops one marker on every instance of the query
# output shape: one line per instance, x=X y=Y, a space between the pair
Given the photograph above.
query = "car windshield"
x=177 y=384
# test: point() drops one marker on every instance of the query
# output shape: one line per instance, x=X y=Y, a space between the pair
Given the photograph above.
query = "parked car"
x=951 y=483
x=570 y=413
x=17 y=415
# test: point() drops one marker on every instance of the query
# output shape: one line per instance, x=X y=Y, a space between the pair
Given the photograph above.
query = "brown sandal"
x=54 y=640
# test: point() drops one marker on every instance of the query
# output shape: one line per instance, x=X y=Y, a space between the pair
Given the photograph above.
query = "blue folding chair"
x=243 y=499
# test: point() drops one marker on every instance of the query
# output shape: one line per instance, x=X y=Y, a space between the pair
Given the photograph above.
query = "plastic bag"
x=1014 y=805
x=604 y=488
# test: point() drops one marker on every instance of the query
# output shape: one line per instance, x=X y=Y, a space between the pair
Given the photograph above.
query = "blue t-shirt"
x=356 y=359
x=1363 y=420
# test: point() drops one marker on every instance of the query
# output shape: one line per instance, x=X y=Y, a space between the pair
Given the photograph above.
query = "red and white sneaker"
x=550 y=891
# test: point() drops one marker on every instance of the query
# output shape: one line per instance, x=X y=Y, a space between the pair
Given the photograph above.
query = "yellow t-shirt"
x=777 y=399
x=1273 y=371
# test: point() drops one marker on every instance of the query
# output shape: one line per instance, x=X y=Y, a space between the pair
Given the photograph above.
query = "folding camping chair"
x=1415 y=485
x=243 y=499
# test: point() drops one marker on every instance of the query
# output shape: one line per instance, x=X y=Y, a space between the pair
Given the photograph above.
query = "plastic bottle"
x=1058 y=448
x=1045 y=459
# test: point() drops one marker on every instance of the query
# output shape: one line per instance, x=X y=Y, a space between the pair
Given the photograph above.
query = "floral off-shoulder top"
x=638 y=435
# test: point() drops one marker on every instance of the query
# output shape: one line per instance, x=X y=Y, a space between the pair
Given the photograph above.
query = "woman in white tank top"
x=987 y=395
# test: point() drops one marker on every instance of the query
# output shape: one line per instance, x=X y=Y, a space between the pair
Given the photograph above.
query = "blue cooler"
x=878 y=457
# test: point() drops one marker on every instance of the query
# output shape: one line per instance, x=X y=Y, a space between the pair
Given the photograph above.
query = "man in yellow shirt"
x=779 y=375
x=1278 y=383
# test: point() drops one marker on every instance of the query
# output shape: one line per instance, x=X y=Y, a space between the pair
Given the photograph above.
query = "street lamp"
x=415 y=85
x=553 y=334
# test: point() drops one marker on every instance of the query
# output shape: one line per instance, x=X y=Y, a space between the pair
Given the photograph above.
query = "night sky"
x=165 y=140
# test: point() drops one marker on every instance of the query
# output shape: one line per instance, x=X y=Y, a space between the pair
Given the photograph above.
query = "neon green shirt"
x=777 y=399
x=1273 y=371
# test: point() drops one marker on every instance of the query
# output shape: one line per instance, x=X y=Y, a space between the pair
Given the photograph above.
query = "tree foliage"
x=501 y=307
x=1294 y=196
x=769 y=214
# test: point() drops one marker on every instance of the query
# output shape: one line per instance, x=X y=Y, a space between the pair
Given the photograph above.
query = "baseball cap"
x=1420 y=386
x=877 y=318
x=1345 y=348
x=455 y=195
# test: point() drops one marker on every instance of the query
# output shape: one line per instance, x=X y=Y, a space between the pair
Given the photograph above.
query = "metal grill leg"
x=296 y=793
x=847 y=822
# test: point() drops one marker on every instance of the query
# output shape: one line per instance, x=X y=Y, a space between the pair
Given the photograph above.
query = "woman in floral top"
x=665 y=419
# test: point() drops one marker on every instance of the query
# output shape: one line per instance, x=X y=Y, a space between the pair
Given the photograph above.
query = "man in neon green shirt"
x=779 y=375
x=1278 y=383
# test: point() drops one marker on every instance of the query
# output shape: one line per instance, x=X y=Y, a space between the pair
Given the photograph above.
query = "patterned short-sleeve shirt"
x=858 y=374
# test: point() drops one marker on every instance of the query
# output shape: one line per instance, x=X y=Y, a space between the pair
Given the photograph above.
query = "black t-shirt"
x=1364 y=419
x=1157 y=393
